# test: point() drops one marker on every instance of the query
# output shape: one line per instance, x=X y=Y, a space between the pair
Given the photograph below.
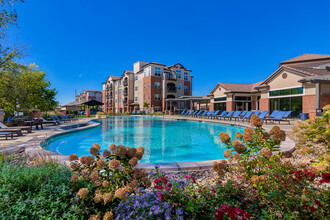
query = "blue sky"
x=80 y=43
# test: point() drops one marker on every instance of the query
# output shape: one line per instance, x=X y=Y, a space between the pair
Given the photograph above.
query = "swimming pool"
x=165 y=141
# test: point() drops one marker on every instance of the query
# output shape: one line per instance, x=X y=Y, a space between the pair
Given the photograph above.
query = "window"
x=186 y=76
x=243 y=98
x=135 y=98
x=148 y=84
x=293 y=104
x=186 y=88
x=178 y=73
x=157 y=108
x=135 y=77
x=157 y=97
x=148 y=96
x=144 y=85
x=144 y=72
x=148 y=74
x=179 y=86
x=285 y=92
x=144 y=97
x=116 y=92
x=220 y=99
x=157 y=71
x=157 y=85
x=119 y=91
x=136 y=88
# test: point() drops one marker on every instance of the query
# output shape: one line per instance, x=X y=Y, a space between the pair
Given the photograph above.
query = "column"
x=170 y=107
x=317 y=95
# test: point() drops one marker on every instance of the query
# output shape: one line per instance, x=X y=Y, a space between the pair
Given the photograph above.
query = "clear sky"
x=79 y=42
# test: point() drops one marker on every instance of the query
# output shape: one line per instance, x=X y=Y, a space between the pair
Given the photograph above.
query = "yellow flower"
x=108 y=216
x=107 y=197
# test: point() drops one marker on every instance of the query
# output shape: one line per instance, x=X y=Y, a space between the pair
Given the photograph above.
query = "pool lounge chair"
x=214 y=114
x=22 y=128
x=153 y=111
x=70 y=118
x=273 y=114
x=263 y=115
x=54 y=119
x=201 y=115
x=61 y=119
x=208 y=114
x=187 y=112
x=138 y=112
x=195 y=113
x=64 y=119
x=192 y=113
x=182 y=112
x=6 y=134
x=280 y=116
x=242 y=114
x=247 y=116
x=222 y=115
x=17 y=131
x=44 y=121
x=257 y=112
x=235 y=115
x=228 y=115
x=147 y=111
x=287 y=114
x=133 y=112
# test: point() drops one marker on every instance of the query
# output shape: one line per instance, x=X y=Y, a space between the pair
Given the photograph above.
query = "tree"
x=8 y=15
x=146 y=105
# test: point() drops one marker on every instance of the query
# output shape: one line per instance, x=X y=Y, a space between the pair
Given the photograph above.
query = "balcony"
x=125 y=102
x=171 y=76
x=125 y=93
x=171 y=89
x=125 y=83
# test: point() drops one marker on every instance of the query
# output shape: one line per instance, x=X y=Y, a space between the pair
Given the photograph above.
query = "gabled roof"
x=301 y=71
x=127 y=71
x=174 y=65
x=236 y=88
x=305 y=58
x=316 y=79
x=113 y=77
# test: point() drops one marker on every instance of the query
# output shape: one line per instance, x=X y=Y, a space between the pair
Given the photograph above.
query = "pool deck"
x=32 y=142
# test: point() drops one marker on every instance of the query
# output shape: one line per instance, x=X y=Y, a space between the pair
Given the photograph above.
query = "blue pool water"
x=164 y=140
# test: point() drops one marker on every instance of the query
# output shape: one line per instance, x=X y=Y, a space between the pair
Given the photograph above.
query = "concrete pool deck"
x=32 y=143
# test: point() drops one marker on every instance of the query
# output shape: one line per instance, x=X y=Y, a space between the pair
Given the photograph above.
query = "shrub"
x=102 y=181
x=41 y=191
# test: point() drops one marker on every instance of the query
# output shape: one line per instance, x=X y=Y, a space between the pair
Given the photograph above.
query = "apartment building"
x=300 y=84
x=88 y=95
x=150 y=83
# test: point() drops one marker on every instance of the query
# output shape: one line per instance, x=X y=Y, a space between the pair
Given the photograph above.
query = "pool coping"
x=287 y=145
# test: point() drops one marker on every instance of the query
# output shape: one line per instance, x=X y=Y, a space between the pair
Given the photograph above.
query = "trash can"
x=304 y=116
x=319 y=112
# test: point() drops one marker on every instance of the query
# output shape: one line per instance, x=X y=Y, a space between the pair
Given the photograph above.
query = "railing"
x=124 y=102
x=171 y=89
x=125 y=83
x=125 y=93
x=171 y=77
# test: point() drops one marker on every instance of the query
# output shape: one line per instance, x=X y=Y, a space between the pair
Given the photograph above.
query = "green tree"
x=146 y=105
x=8 y=15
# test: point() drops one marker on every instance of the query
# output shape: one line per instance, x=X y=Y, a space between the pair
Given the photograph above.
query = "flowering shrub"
x=316 y=129
x=104 y=180
x=231 y=212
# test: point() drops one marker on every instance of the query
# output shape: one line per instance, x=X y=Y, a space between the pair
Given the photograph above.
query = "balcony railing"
x=124 y=102
x=125 y=93
x=171 y=76
x=125 y=83
x=171 y=89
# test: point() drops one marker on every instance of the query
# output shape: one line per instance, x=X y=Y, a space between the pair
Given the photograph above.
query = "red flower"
x=312 y=208
x=170 y=185
x=156 y=180
x=317 y=202
x=165 y=181
x=325 y=178
x=305 y=206
x=219 y=181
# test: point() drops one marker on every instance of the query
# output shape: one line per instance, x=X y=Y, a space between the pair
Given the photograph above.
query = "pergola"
x=187 y=99
x=91 y=103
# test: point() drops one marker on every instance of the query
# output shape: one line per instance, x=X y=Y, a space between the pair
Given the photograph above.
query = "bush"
x=105 y=180
x=37 y=192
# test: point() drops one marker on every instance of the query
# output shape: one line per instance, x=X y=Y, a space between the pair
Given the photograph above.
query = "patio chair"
x=263 y=115
x=147 y=111
x=44 y=121
x=61 y=119
x=208 y=114
x=153 y=111
x=257 y=112
x=133 y=112
x=214 y=114
x=138 y=112
x=64 y=119
x=22 y=128
x=201 y=115
x=228 y=115
x=280 y=116
x=196 y=112
x=70 y=118
x=182 y=112
x=235 y=115
x=57 y=121
x=247 y=116
x=191 y=113
x=222 y=114
x=17 y=131
x=287 y=114
x=6 y=134
x=273 y=114
x=242 y=114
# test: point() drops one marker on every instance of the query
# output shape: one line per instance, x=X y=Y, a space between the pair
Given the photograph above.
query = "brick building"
x=300 y=84
x=88 y=95
x=150 y=83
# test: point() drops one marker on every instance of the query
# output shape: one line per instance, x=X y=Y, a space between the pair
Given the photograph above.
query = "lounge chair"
x=57 y=121
x=235 y=115
x=257 y=112
x=182 y=112
x=198 y=113
x=287 y=113
x=280 y=116
x=191 y=113
x=64 y=119
x=70 y=118
x=213 y=114
x=147 y=111
x=247 y=116
x=133 y=112
x=153 y=111
x=201 y=115
x=207 y=115
x=44 y=121
x=61 y=119
x=17 y=131
x=222 y=114
x=138 y=112
x=274 y=113
x=263 y=115
x=22 y=128
x=195 y=112
x=242 y=114
x=6 y=134
x=228 y=115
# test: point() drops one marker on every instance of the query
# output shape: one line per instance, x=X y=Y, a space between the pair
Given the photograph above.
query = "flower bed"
x=255 y=182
